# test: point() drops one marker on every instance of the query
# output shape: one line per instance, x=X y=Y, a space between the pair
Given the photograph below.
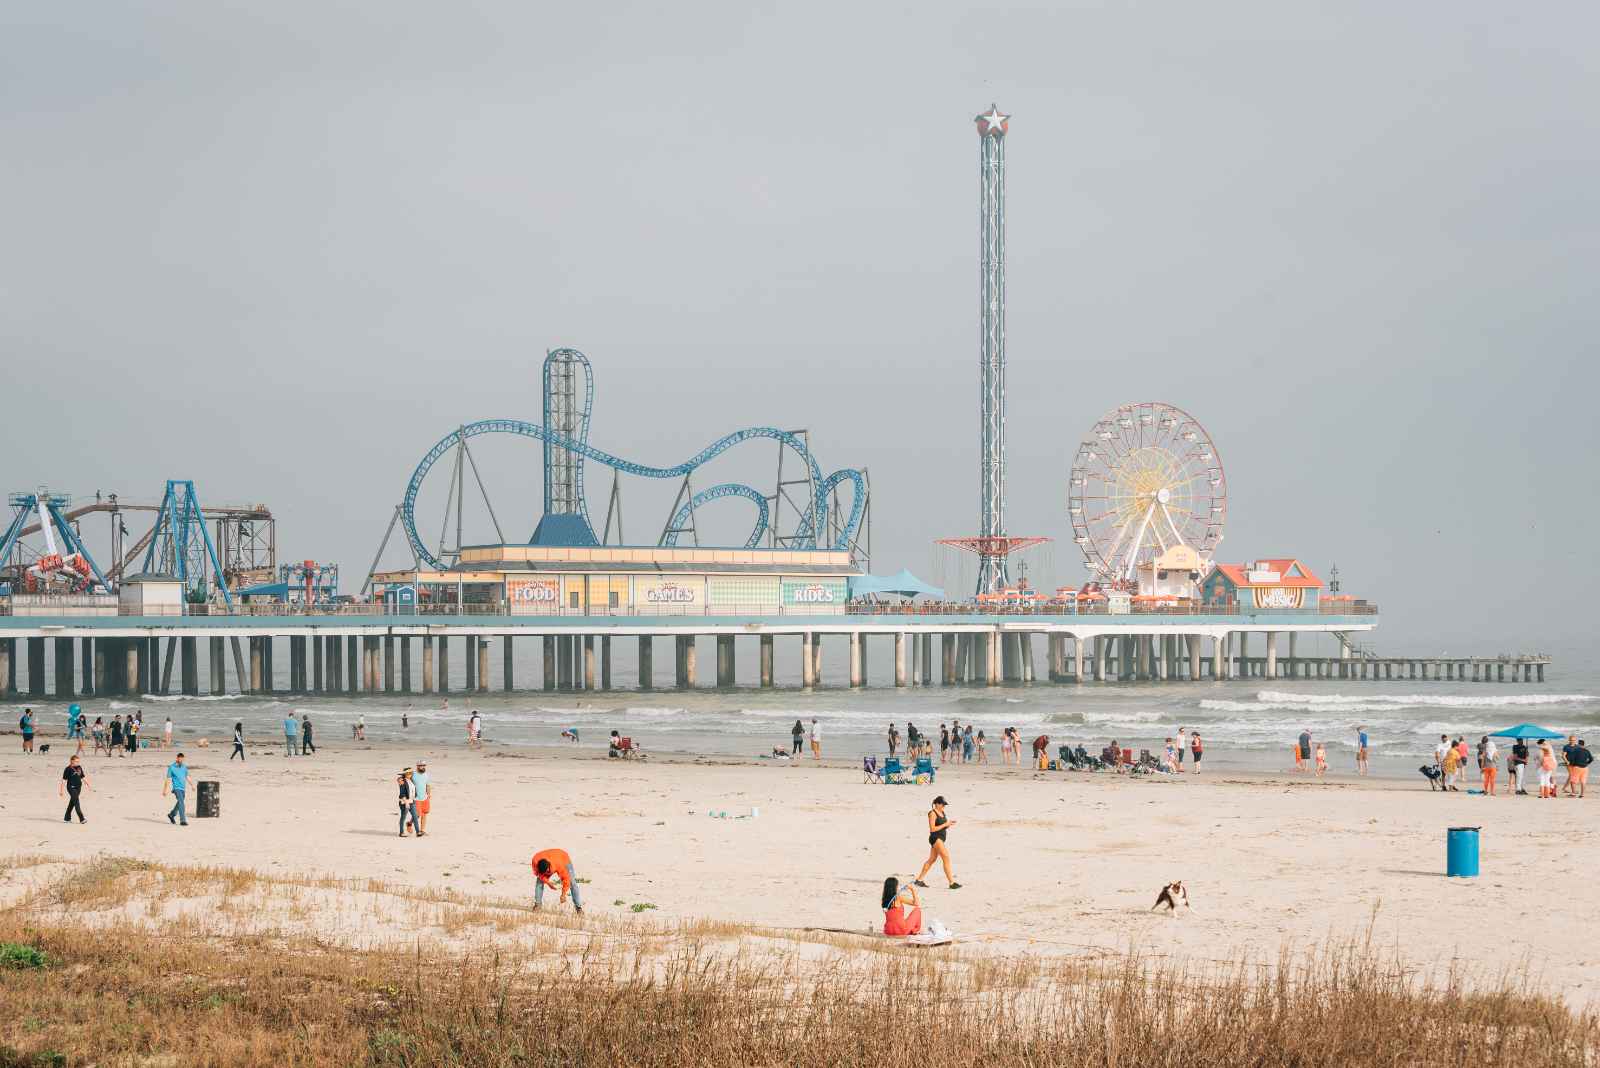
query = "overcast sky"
x=283 y=248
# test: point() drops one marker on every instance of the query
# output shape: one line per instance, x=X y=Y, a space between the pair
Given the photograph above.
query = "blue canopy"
x=1528 y=730
x=905 y=584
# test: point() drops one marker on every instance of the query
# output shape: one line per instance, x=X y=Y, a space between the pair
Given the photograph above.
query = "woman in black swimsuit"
x=938 y=826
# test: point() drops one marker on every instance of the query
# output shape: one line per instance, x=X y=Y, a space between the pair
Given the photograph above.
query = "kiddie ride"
x=64 y=566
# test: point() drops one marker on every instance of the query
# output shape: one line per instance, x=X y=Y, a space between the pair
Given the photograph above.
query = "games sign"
x=670 y=596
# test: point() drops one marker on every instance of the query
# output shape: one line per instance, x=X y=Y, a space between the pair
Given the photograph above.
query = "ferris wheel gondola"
x=1146 y=478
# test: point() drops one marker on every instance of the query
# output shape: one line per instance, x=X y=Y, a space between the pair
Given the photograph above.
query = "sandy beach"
x=1051 y=863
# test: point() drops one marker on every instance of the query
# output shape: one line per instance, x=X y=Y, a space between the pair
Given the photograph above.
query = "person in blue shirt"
x=291 y=735
x=177 y=781
x=25 y=725
x=1361 y=750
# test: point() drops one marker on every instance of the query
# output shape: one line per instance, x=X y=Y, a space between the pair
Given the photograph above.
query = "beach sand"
x=1051 y=863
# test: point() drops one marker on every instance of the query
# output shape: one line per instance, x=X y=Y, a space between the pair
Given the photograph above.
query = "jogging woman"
x=938 y=827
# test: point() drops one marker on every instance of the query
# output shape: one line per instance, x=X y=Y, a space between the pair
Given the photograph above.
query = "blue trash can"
x=1461 y=852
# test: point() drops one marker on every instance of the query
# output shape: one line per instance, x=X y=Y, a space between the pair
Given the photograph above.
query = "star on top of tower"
x=992 y=123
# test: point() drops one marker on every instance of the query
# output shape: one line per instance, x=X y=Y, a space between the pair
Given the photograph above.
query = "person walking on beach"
x=1322 y=760
x=422 y=796
x=944 y=743
x=1361 y=750
x=475 y=730
x=938 y=826
x=166 y=734
x=99 y=732
x=1005 y=745
x=408 y=810
x=967 y=745
x=1183 y=743
x=816 y=740
x=25 y=725
x=361 y=726
x=551 y=864
x=306 y=748
x=894 y=739
x=1488 y=763
x=983 y=749
x=1438 y=758
x=177 y=781
x=1197 y=749
x=291 y=733
x=1519 y=765
x=1302 y=755
x=116 y=735
x=73 y=780
x=798 y=734
x=133 y=729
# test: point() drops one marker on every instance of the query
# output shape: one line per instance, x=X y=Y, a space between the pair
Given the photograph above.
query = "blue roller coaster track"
x=812 y=526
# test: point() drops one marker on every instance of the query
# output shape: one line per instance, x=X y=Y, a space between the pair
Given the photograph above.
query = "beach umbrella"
x=1528 y=730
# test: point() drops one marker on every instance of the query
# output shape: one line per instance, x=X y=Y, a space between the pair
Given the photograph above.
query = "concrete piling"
x=647 y=662
x=766 y=661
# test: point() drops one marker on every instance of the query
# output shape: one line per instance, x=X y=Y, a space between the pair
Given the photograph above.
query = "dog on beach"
x=1172 y=895
x=45 y=748
x=203 y=743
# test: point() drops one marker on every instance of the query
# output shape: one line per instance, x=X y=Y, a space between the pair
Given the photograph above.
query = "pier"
x=87 y=649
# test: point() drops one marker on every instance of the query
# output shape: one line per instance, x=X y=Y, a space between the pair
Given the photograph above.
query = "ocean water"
x=1247 y=725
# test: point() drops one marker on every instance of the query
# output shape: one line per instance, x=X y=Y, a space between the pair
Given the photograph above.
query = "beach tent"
x=1528 y=730
x=905 y=584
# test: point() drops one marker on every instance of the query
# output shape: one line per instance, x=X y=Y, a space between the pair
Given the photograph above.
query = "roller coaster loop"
x=811 y=523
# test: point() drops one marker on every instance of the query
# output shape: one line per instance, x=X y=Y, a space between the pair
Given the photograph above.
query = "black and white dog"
x=1172 y=895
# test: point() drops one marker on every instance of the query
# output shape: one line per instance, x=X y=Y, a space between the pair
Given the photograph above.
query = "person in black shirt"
x=305 y=736
x=1566 y=758
x=1580 y=760
x=73 y=780
x=1519 y=764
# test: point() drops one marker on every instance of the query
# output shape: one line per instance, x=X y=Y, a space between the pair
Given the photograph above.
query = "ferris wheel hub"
x=1163 y=495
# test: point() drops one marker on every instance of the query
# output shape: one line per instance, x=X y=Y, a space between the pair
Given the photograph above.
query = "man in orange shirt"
x=555 y=864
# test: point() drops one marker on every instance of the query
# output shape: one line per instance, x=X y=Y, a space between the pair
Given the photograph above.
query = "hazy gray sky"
x=283 y=248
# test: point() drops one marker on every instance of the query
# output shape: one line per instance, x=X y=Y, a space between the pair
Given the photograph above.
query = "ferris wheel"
x=1145 y=479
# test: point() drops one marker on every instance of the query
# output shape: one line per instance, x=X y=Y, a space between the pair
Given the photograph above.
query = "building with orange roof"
x=1282 y=582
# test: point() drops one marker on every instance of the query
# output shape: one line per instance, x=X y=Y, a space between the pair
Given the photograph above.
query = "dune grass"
x=628 y=991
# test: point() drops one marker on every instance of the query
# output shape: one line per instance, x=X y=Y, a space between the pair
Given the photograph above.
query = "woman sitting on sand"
x=902 y=912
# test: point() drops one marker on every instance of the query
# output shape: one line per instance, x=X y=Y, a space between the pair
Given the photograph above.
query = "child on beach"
x=1197 y=749
x=983 y=749
x=1322 y=760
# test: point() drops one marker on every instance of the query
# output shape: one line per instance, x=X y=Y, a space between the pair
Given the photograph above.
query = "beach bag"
x=937 y=931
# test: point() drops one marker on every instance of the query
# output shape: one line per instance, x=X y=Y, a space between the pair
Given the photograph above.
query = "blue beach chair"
x=924 y=767
x=892 y=771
